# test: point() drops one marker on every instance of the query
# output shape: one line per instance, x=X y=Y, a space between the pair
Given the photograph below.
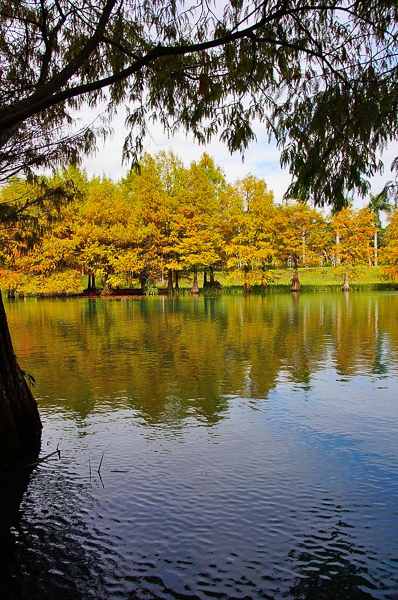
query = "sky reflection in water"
x=249 y=448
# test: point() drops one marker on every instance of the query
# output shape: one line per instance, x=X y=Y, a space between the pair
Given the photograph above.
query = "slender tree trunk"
x=195 y=287
x=176 y=283
x=91 y=282
x=20 y=423
x=170 y=281
x=204 y=279
x=211 y=277
x=375 y=248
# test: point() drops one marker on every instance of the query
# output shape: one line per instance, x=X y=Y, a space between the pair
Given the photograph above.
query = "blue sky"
x=261 y=158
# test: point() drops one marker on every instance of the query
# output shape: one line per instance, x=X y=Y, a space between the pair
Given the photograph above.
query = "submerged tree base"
x=346 y=285
x=295 y=286
x=20 y=425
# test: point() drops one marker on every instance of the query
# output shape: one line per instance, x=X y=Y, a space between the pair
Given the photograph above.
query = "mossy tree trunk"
x=20 y=423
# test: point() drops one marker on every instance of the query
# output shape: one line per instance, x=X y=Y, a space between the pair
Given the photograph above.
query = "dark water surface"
x=249 y=449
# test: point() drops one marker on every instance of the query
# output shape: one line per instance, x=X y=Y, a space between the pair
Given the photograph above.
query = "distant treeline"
x=168 y=221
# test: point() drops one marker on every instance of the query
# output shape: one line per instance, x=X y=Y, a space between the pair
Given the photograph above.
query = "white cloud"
x=261 y=158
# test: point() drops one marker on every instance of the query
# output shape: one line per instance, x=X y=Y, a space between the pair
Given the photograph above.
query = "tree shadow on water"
x=42 y=553
x=328 y=574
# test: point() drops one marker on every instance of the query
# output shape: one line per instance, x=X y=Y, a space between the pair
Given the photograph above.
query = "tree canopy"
x=321 y=75
x=172 y=222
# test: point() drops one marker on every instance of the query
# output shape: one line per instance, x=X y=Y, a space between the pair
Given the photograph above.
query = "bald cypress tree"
x=320 y=76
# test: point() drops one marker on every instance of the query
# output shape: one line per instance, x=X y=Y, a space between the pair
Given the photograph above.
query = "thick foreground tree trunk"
x=20 y=424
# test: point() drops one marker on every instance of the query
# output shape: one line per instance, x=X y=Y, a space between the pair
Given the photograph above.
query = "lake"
x=231 y=448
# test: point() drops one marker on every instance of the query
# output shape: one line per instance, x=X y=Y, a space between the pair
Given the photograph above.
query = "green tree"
x=378 y=204
x=390 y=248
x=321 y=76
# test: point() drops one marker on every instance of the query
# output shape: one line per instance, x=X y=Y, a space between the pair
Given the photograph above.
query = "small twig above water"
x=100 y=465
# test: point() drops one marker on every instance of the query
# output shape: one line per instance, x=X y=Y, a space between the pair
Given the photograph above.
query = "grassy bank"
x=321 y=279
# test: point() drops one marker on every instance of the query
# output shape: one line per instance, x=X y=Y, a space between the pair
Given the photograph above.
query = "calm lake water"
x=231 y=448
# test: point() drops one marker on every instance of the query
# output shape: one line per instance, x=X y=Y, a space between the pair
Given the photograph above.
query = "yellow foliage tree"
x=248 y=211
x=354 y=231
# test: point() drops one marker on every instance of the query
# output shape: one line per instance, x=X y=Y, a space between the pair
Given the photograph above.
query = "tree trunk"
x=246 y=283
x=143 y=280
x=170 y=281
x=375 y=248
x=20 y=423
x=195 y=287
x=295 y=287
x=176 y=284
x=211 y=277
x=107 y=289
x=205 y=284
x=346 y=286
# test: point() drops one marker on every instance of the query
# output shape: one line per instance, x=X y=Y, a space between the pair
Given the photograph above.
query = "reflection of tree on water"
x=43 y=548
x=329 y=567
x=12 y=489
x=173 y=358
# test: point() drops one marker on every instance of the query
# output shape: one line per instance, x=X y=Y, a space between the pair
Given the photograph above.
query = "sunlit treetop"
x=321 y=76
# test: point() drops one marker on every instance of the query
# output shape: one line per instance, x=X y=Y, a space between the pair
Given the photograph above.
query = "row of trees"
x=320 y=76
x=170 y=220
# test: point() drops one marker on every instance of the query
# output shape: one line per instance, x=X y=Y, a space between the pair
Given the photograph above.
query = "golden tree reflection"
x=171 y=359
